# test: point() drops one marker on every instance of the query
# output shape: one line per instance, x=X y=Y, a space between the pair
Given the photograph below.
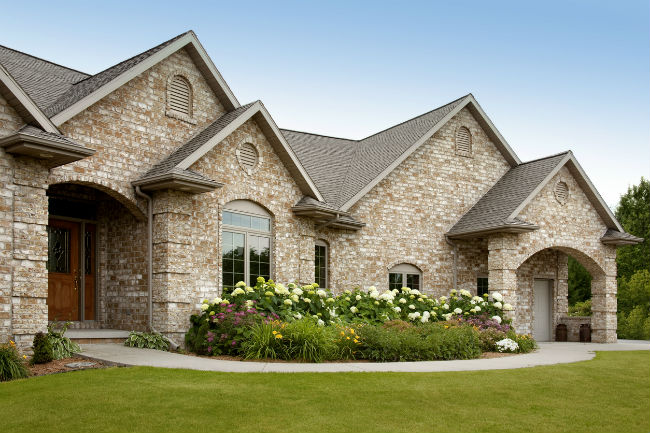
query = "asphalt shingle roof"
x=496 y=206
x=43 y=81
x=169 y=164
x=341 y=167
x=39 y=133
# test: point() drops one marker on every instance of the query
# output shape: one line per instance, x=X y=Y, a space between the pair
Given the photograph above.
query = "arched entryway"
x=97 y=275
x=542 y=288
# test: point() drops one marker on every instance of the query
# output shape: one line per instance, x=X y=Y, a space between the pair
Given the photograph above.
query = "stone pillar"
x=561 y=293
x=603 y=309
x=29 y=272
x=6 y=242
x=502 y=272
x=172 y=263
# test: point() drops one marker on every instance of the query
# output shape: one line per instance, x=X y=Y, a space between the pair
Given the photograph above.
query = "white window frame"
x=245 y=207
x=322 y=243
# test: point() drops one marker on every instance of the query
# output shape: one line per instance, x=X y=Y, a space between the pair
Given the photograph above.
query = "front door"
x=71 y=267
x=542 y=310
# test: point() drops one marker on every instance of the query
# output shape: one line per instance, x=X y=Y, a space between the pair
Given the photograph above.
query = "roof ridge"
x=44 y=60
x=415 y=117
x=545 y=157
x=132 y=57
x=319 y=135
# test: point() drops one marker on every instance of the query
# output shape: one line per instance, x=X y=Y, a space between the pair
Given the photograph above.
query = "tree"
x=579 y=282
x=633 y=212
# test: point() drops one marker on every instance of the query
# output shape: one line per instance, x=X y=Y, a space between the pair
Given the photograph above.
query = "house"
x=128 y=196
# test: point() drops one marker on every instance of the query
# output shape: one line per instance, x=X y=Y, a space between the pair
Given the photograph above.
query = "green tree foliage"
x=633 y=212
x=579 y=282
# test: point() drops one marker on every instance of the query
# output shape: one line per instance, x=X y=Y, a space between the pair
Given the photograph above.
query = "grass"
x=610 y=394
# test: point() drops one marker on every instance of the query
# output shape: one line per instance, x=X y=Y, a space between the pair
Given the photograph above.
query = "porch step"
x=97 y=336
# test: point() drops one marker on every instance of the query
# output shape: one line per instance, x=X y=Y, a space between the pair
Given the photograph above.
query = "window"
x=179 y=98
x=321 y=264
x=246 y=243
x=463 y=141
x=404 y=275
x=481 y=286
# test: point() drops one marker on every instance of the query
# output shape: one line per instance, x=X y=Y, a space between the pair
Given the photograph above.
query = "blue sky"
x=552 y=75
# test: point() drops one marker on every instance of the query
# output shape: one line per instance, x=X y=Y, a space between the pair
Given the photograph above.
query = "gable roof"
x=22 y=103
x=499 y=208
x=371 y=159
x=216 y=132
x=42 y=80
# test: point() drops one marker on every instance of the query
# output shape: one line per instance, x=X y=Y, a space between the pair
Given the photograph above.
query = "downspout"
x=454 y=252
x=149 y=200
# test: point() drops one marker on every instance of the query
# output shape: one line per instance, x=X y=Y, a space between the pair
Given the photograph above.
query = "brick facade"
x=406 y=214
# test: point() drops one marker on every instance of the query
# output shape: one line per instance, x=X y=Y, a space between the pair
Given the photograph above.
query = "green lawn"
x=609 y=394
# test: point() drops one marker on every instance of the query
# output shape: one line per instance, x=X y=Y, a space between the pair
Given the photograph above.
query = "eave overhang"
x=327 y=217
x=505 y=228
x=614 y=237
x=55 y=153
x=177 y=181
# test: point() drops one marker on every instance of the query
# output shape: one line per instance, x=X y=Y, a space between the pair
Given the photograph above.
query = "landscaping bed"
x=61 y=366
x=308 y=324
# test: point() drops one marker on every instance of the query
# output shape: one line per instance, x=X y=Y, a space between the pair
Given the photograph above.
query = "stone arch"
x=587 y=260
x=125 y=197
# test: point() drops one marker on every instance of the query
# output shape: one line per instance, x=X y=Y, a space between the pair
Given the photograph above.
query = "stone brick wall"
x=408 y=213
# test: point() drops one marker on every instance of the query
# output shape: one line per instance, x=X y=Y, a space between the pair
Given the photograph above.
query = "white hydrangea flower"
x=473 y=310
x=497 y=296
x=477 y=308
x=358 y=297
x=372 y=289
x=458 y=310
x=443 y=298
x=297 y=316
x=216 y=300
x=307 y=300
x=447 y=316
x=237 y=291
x=465 y=293
x=445 y=306
x=320 y=322
x=406 y=289
x=477 y=299
x=353 y=309
x=402 y=301
x=204 y=307
x=321 y=293
x=412 y=307
x=397 y=309
x=281 y=290
x=347 y=292
x=295 y=298
x=496 y=319
x=297 y=291
x=507 y=307
x=507 y=345
x=249 y=303
x=288 y=302
x=240 y=284
x=498 y=304
x=415 y=292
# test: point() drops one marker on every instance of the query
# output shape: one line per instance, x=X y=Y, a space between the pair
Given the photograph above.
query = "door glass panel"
x=58 y=257
x=320 y=262
x=88 y=252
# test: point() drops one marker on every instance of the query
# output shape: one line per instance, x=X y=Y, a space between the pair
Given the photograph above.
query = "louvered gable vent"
x=180 y=97
x=561 y=192
x=463 y=141
x=248 y=157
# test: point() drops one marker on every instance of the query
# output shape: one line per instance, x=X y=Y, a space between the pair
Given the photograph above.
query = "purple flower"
x=209 y=349
x=234 y=342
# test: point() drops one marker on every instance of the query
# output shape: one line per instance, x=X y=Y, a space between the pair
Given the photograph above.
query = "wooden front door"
x=71 y=266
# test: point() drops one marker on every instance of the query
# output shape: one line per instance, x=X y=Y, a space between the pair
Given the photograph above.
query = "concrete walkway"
x=548 y=354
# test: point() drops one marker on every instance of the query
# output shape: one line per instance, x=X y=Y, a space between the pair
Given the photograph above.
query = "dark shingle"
x=43 y=81
x=39 y=133
x=496 y=206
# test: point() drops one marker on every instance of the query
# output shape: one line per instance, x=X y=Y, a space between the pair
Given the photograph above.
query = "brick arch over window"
x=126 y=198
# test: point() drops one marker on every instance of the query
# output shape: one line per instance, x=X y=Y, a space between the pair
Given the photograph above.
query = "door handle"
x=76 y=279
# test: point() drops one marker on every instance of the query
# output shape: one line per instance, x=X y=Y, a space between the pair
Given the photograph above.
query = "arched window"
x=404 y=275
x=321 y=263
x=179 y=96
x=246 y=243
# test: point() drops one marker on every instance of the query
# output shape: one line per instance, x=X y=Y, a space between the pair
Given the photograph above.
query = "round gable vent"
x=248 y=157
x=561 y=192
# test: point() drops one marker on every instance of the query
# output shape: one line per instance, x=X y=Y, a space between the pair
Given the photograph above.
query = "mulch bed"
x=59 y=366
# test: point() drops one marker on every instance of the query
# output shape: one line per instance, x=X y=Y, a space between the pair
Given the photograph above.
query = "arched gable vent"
x=180 y=95
x=463 y=141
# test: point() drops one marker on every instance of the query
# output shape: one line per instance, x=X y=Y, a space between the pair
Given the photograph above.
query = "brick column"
x=6 y=242
x=29 y=272
x=603 y=300
x=172 y=263
x=502 y=273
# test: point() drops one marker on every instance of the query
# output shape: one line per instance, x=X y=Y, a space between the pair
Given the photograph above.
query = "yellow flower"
x=24 y=357
x=347 y=338
x=355 y=340
x=278 y=336
x=12 y=342
x=275 y=332
x=342 y=333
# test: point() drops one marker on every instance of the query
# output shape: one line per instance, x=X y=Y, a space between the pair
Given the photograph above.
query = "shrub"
x=12 y=365
x=146 y=340
x=42 y=348
x=580 y=308
x=526 y=342
x=635 y=326
x=428 y=342
x=347 y=343
x=488 y=339
x=62 y=346
x=507 y=345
